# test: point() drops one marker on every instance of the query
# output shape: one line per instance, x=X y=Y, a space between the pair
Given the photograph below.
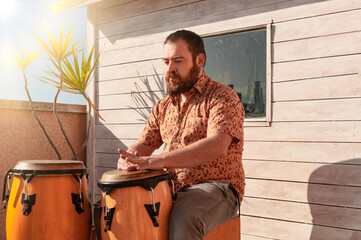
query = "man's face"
x=181 y=72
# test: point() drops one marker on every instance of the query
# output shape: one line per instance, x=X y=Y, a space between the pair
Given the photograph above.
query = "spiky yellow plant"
x=22 y=61
x=58 y=50
x=75 y=79
x=62 y=48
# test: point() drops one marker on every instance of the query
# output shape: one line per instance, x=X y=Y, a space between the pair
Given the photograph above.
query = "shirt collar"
x=199 y=86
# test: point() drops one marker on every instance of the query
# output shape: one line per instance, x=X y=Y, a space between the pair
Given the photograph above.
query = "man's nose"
x=171 y=68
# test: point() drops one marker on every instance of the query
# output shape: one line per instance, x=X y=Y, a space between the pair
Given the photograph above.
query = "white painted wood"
x=348 y=86
x=275 y=229
x=125 y=116
x=129 y=101
x=153 y=20
x=138 y=84
x=341 y=196
x=210 y=9
x=111 y=4
x=328 y=24
x=289 y=131
x=306 y=131
x=316 y=152
x=112 y=145
x=134 y=54
x=131 y=131
x=325 y=46
x=316 y=68
x=282 y=11
x=135 y=8
x=108 y=160
x=304 y=213
x=334 y=132
x=131 y=70
x=337 y=174
x=117 y=43
x=245 y=18
x=318 y=110
x=90 y=148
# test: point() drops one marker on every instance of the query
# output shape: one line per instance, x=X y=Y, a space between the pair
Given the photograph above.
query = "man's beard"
x=184 y=84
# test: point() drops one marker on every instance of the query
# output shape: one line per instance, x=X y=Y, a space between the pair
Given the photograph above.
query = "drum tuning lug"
x=153 y=213
x=108 y=218
x=153 y=210
x=6 y=188
x=6 y=200
x=27 y=201
x=77 y=200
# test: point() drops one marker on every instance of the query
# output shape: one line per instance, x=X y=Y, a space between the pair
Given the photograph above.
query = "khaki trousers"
x=200 y=208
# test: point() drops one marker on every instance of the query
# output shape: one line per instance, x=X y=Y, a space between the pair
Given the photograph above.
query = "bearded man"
x=201 y=122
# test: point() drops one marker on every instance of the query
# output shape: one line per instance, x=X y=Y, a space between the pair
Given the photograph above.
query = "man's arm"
x=137 y=149
x=200 y=152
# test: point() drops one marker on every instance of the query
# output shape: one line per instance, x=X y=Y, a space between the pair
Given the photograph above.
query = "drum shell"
x=53 y=216
x=131 y=219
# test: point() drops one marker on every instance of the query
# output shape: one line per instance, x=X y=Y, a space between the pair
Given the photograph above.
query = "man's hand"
x=137 y=162
x=125 y=165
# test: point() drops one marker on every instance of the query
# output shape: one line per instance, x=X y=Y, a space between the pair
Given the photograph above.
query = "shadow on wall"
x=145 y=100
x=334 y=196
x=162 y=16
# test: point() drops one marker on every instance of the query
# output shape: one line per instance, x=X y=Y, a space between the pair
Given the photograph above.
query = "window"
x=240 y=60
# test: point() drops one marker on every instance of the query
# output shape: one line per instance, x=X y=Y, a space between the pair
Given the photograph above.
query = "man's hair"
x=193 y=40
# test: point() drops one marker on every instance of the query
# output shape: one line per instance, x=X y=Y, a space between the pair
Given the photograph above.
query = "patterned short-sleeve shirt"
x=211 y=107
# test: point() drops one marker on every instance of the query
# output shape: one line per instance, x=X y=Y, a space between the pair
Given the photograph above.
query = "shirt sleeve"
x=150 y=135
x=226 y=114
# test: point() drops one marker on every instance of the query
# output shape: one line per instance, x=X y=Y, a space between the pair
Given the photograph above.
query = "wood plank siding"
x=303 y=176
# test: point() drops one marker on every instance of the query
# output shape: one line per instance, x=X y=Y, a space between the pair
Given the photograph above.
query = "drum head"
x=49 y=165
x=122 y=175
x=119 y=179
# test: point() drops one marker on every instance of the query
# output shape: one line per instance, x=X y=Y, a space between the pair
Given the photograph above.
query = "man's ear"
x=200 y=60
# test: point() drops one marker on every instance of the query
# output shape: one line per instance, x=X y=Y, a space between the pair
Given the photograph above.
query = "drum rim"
x=48 y=172
x=146 y=183
x=116 y=175
x=49 y=165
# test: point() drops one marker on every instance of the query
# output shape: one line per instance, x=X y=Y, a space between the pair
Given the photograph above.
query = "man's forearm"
x=140 y=149
x=197 y=153
x=200 y=152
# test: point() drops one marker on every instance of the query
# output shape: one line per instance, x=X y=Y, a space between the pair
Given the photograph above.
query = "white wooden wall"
x=303 y=172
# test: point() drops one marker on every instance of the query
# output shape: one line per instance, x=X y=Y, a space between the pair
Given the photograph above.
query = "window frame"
x=255 y=122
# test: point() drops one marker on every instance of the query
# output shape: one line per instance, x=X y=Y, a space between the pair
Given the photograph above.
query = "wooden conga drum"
x=48 y=200
x=136 y=205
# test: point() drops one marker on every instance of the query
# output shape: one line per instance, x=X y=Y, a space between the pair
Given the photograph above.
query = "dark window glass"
x=239 y=61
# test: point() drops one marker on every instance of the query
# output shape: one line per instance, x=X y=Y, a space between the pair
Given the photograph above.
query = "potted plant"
x=70 y=75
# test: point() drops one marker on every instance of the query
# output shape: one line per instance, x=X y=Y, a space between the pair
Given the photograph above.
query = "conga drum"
x=48 y=200
x=136 y=205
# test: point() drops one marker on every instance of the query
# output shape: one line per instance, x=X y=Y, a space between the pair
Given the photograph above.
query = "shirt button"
x=175 y=140
x=179 y=120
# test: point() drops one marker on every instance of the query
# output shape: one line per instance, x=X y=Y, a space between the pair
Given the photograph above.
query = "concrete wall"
x=21 y=137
